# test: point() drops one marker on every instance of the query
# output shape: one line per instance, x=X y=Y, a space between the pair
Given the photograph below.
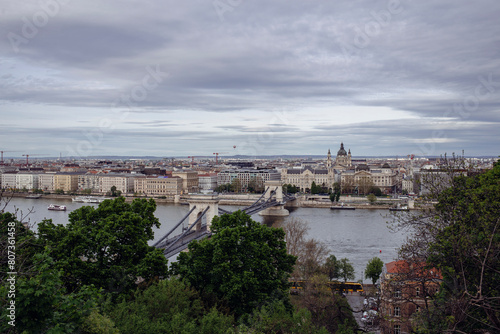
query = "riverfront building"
x=189 y=180
x=245 y=176
x=123 y=183
x=158 y=186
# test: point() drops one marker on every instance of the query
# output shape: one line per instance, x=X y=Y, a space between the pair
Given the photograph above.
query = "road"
x=356 y=302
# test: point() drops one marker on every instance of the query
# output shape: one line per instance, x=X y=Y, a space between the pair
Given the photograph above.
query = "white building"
x=46 y=182
x=9 y=180
x=123 y=183
x=28 y=181
x=207 y=182
x=89 y=181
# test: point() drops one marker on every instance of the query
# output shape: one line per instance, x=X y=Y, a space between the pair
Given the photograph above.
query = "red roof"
x=402 y=267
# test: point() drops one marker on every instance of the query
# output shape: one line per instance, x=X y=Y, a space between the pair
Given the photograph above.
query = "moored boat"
x=55 y=207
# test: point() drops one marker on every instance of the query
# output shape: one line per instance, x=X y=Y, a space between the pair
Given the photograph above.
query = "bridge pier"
x=274 y=188
x=202 y=202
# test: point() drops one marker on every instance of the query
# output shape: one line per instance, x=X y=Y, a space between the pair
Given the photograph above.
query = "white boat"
x=88 y=199
x=55 y=207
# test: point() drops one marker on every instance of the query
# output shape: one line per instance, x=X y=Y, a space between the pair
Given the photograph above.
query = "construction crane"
x=217 y=156
x=27 y=156
x=192 y=161
x=2 y=152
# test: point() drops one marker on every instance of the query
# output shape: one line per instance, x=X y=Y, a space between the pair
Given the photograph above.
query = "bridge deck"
x=176 y=244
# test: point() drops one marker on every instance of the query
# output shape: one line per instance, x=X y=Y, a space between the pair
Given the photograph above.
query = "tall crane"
x=1 y=159
x=27 y=156
x=217 y=156
x=192 y=161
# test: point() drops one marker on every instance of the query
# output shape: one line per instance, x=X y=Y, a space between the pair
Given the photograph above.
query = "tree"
x=310 y=253
x=168 y=306
x=42 y=304
x=315 y=189
x=106 y=246
x=371 y=198
x=331 y=268
x=461 y=238
x=374 y=269
x=346 y=270
x=236 y=185
x=244 y=263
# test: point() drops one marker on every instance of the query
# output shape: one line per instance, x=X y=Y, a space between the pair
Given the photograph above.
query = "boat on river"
x=399 y=208
x=34 y=196
x=89 y=199
x=342 y=207
x=55 y=207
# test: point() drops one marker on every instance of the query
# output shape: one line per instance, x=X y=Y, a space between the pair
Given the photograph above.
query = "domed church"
x=343 y=158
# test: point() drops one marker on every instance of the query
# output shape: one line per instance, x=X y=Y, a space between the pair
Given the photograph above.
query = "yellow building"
x=158 y=186
x=68 y=182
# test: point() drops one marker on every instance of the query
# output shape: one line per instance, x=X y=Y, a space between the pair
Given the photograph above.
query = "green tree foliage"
x=467 y=250
x=169 y=306
x=460 y=237
x=276 y=318
x=328 y=310
x=106 y=246
x=371 y=198
x=236 y=185
x=42 y=303
x=20 y=241
x=244 y=263
x=346 y=270
x=315 y=189
x=374 y=269
x=331 y=268
x=376 y=191
x=290 y=189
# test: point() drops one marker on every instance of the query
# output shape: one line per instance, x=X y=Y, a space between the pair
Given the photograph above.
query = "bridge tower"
x=275 y=189
x=203 y=202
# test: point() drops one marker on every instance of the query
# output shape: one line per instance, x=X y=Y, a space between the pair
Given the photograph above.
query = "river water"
x=358 y=235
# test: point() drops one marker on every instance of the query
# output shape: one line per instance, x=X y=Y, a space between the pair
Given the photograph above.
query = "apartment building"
x=247 y=175
x=405 y=289
x=68 y=182
x=189 y=180
x=28 y=181
x=158 y=186
x=46 y=182
x=89 y=181
x=207 y=182
x=9 y=180
x=123 y=183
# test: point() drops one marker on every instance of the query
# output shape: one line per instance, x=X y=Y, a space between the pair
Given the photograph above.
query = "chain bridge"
x=203 y=208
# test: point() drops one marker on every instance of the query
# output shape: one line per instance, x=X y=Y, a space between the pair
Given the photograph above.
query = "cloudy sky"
x=172 y=78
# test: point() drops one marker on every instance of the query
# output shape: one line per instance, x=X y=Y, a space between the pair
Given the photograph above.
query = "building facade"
x=27 y=181
x=68 y=182
x=246 y=176
x=123 y=183
x=189 y=180
x=9 y=180
x=304 y=177
x=207 y=182
x=46 y=182
x=405 y=290
x=89 y=181
x=158 y=186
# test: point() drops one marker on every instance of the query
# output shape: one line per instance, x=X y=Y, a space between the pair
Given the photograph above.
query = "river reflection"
x=358 y=235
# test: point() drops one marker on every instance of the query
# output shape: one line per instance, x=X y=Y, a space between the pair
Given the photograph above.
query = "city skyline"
x=386 y=78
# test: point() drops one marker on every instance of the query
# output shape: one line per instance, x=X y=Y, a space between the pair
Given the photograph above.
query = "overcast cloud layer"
x=391 y=77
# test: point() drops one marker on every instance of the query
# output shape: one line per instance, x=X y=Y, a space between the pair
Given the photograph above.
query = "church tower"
x=329 y=160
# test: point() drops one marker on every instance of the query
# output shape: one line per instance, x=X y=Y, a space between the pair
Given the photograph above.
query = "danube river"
x=358 y=235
